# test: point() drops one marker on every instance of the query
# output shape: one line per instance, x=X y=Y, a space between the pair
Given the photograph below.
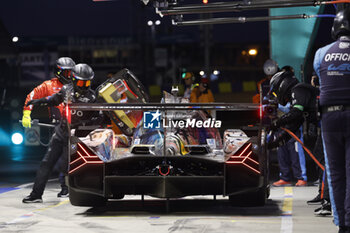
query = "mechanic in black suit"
x=302 y=97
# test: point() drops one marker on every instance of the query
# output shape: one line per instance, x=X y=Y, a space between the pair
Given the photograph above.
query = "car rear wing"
x=165 y=106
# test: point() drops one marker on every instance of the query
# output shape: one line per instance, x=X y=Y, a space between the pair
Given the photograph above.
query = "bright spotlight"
x=17 y=138
x=15 y=39
x=252 y=52
x=150 y=23
x=216 y=72
x=201 y=72
x=158 y=22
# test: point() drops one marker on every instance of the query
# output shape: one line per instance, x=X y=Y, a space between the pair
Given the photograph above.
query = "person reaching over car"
x=302 y=97
x=78 y=91
x=288 y=154
x=62 y=71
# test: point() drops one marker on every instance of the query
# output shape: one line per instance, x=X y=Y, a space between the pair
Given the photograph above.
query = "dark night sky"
x=66 y=17
x=118 y=18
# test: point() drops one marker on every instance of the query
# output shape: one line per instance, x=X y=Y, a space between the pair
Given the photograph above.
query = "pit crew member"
x=303 y=105
x=62 y=72
x=78 y=91
x=189 y=79
x=331 y=64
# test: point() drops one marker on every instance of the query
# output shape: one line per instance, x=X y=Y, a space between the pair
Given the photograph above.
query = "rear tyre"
x=257 y=198
x=268 y=190
x=118 y=196
x=85 y=199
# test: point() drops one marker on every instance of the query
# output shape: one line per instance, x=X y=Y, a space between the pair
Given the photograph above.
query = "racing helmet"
x=270 y=67
x=281 y=84
x=288 y=69
x=63 y=68
x=341 y=24
x=82 y=74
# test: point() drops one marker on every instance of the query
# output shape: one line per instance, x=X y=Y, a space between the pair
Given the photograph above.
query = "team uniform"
x=303 y=107
x=45 y=89
x=302 y=98
x=77 y=91
x=188 y=90
x=291 y=157
x=62 y=71
x=332 y=65
x=205 y=97
x=58 y=147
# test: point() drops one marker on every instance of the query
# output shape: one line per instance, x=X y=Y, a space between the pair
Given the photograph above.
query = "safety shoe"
x=32 y=199
x=315 y=201
x=324 y=210
x=281 y=183
x=344 y=229
x=301 y=183
x=63 y=193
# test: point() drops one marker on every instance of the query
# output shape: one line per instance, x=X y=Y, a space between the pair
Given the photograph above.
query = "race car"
x=175 y=149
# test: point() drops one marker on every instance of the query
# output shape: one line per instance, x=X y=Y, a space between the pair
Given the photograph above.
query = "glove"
x=26 y=120
x=312 y=131
x=269 y=137
x=272 y=145
x=42 y=101
x=265 y=101
x=274 y=126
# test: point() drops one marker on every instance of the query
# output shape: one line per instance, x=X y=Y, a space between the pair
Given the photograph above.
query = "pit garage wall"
x=291 y=39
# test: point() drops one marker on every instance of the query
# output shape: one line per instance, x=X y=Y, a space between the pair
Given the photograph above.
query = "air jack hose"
x=305 y=148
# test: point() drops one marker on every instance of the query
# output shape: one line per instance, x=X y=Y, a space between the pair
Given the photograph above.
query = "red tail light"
x=82 y=157
x=244 y=157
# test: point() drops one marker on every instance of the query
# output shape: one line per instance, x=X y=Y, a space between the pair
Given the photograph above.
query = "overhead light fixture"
x=15 y=39
x=253 y=52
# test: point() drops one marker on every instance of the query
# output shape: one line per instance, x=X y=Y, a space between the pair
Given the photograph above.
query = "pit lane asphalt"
x=286 y=211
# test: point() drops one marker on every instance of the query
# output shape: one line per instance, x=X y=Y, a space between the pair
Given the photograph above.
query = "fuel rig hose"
x=305 y=148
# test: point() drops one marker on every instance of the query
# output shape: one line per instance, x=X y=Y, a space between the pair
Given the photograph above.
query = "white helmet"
x=270 y=67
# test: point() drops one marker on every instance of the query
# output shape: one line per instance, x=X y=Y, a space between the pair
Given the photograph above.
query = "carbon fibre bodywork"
x=93 y=181
x=191 y=153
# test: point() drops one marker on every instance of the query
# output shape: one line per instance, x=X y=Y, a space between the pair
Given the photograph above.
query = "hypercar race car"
x=170 y=149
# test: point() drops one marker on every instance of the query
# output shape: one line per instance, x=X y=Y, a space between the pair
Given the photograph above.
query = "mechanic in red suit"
x=62 y=72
